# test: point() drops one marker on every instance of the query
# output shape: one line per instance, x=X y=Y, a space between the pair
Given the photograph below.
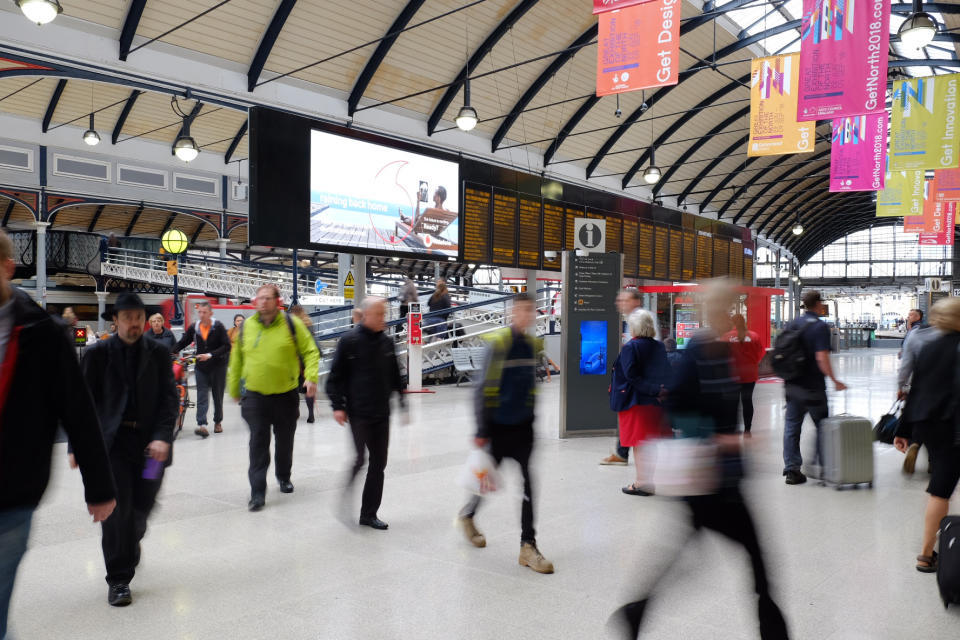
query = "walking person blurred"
x=32 y=349
x=213 y=355
x=747 y=352
x=363 y=376
x=272 y=349
x=702 y=403
x=913 y=344
x=628 y=301
x=640 y=375
x=932 y=416
x=131 y=380
x=159 y=333
x=408 y=295
x=310 y=401
x=234 y=332
x=505 y=405
x=439 y=301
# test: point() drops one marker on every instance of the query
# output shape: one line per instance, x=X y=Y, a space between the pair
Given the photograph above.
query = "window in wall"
x=817 y=257
x=765 y=271
x=928 y=252
x=858 y=270
x=814 y=270
x=834 y=270
x=881 y=269
x=906 y=268
x=906 y=251
x=858 y=252
x=835 y=251
x=882 y=234
x=882 y=251
x=859 y=236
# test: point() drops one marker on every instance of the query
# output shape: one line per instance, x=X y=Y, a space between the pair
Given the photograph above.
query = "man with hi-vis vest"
x=505 y=403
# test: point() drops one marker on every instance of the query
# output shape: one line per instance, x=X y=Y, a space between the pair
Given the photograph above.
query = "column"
x=222 y=243
x=41 y=263
x=101 y=307
x=360 y=275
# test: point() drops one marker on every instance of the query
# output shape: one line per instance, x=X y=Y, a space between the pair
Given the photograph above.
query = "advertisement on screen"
x=593 y=348
x=369 y=196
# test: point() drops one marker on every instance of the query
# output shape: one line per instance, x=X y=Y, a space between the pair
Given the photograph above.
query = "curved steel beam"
x=370 y=69
x=266 y=44
x=9 y=211
x=724 y=155
x=782 y=226
x=52 y=105
x=124 y=114
x=134 y=219
x=778 y=221
x=130 y=24
x=806 y=247
x=836 y=211
x=236 y=142
x=540 y=83
x=813 y=157
x=485 y=47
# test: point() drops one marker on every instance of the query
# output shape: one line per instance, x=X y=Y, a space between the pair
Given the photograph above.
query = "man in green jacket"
x=272 y=351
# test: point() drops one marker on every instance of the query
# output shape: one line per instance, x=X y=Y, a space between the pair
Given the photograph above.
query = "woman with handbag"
x=640 y=375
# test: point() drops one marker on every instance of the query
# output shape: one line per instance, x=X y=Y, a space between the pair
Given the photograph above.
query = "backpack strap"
x=293 y=335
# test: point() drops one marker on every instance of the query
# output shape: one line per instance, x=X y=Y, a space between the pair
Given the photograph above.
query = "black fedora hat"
x=124 y=302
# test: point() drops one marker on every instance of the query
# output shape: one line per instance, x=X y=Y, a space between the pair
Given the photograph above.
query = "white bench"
x=467 y=360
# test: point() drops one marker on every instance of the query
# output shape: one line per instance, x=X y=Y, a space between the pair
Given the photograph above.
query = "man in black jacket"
x=34 y=358
x=213 y=356
x=131 y=379
x=362 y=377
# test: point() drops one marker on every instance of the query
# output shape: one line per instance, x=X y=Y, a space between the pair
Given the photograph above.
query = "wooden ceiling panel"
x=26 y=96
x=81 y=97
x=239 y=235
x=109 y=13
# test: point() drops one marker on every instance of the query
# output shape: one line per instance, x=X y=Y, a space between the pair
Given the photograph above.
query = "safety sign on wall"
x=348 y=284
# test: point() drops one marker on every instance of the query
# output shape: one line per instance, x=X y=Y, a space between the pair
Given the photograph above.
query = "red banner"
x=602 y=6
x=939 y=222
x=639 y=47
x=946 y=185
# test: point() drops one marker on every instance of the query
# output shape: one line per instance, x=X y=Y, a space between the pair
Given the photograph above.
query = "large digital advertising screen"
x=369 y=196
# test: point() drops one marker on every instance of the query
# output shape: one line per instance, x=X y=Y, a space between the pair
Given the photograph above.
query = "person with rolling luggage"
x=931 y=413
x=802 y=358
x=917 y=338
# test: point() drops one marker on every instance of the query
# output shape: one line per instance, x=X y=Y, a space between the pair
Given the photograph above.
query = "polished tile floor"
x=842 y=562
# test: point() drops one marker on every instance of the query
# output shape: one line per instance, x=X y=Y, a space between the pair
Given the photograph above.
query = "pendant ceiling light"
x=467 y=116
x=40 y=11
x=798 y=228
x=918 y=29
x=185 y=147
x=90 y=136
x=652 y=173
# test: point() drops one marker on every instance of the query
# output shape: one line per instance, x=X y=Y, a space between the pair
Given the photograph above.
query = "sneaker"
x=614 y=459
x=470 y=531
x=795 y=477
x=531 y=557
x=217 y=428
x=910 y=460
x=119 y=595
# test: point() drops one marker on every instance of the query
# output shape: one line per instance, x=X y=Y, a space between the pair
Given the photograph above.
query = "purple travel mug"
x=152 y=469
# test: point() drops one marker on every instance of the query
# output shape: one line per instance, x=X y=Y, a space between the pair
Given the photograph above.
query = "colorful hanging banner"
x=843 y=58
x=939 y=223
x=902 y=195
x=638 y=47
x=858 y=153
x=774 y=129
x=923 y=133
x=913 y=224
x=946 y=185
x=602 y=6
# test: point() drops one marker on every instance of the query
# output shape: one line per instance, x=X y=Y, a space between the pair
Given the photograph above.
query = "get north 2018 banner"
x=902 y=195
x=939 y=221
x=923 y=130
x=774 y=129
x=843 y=58
x=600 y=6
x=858 y=153
x=638 y=47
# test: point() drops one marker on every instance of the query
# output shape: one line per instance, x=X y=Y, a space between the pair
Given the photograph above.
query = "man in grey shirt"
x=913 y=344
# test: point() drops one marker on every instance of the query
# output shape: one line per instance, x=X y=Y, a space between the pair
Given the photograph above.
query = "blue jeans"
x=14 y=532
x=800 y=402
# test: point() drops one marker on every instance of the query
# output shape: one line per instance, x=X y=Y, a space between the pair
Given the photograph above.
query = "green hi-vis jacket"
x=265 y=360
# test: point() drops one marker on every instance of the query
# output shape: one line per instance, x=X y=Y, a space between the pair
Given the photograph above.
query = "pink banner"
x=942 y=217
x=602 y=6
x=858 y=153
x=843 y=58
x=946 y=185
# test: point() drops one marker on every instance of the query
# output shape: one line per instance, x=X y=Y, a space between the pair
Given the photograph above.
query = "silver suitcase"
x=847 y=449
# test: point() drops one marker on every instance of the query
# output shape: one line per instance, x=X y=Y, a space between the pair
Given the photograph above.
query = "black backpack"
x=789 y=355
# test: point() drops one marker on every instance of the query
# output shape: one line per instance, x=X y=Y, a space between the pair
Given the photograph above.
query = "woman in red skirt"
x=639 y=377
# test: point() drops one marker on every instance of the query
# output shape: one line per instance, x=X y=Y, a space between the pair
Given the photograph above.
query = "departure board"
x=504 y=230
x=571 y=216
x=689 y=254
x=552 y=234
x=704 y=255
x=476 y=225
x=675 y=261
x=736 y=260
x=721 y=257
x=748 y=271
x=630 y=248
x=661 y=252
x=645 y=251
x=614 y=234
x=528 y=251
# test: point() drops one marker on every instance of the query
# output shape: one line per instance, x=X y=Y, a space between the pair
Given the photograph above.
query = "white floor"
x=842 y=562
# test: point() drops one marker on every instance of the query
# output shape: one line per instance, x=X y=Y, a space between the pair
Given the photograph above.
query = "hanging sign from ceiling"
x=602 y=6
x=902 y=195
x=774 y=129
x=945 y=186
x=939 y=220
x=858 y=153
x=843 y=58
x=923 y=133
x=638 y=47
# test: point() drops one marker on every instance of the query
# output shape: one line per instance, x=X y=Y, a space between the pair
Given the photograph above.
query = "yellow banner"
x=902 y=195
x=774 y=129
x=923 y=129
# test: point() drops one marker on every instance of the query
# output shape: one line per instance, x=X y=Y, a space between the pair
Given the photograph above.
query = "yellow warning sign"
x=348 y=293
x=349 y=282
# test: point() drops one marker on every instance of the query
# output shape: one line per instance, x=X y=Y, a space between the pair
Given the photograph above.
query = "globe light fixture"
x=174 y=241
x=797 y=229
x=186 y=147
x=90 y=136
x=652 y=173
x=917 y=31
x=40 y=11
x=467 y=118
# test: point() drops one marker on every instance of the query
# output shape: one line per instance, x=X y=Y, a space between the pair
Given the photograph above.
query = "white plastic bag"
x=480 y=475
x=682 y=467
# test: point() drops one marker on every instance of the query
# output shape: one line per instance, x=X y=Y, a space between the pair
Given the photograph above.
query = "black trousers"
x=512 y=441
x=371 y=435
x=746 y=403
x=280 y=411
x=214 y=381
x=124 y=529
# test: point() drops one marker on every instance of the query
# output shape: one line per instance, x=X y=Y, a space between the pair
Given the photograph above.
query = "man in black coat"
x=363 y=376
x=36 y=357
x=213 y=356
x=131 y=379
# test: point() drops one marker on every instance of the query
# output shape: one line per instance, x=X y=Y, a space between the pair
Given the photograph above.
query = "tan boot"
x=470 y=531
x=910 y=460
x=531 y=557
